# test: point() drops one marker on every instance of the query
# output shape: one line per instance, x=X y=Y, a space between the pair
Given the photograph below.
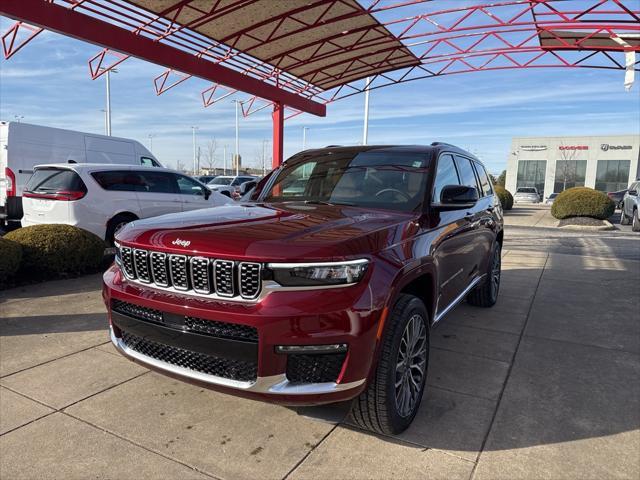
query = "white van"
x=22 y=146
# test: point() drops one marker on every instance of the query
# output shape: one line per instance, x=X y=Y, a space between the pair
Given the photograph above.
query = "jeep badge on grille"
x=181 y=243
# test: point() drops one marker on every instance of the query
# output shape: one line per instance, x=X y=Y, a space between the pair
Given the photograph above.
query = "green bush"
x=10 y=255
x=57 y=250
x=506 y=199
x=582 y=202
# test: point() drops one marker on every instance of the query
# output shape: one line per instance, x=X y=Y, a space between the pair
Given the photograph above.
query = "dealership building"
x=553 y=164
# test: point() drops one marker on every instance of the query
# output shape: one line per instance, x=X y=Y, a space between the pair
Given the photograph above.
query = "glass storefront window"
x=531 y=174
x=569 y=174
x=612 y=175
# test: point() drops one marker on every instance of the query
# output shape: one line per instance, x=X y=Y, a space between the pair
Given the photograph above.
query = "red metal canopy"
x=304 y=54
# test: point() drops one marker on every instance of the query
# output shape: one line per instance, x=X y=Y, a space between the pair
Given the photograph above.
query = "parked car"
x=314 y=296
x=22 y=146
x=526 y=195
x=228 y=185
x=617 y=197
x=551 y=198
x=630 y=207
x=205 y=178
x=103 y=198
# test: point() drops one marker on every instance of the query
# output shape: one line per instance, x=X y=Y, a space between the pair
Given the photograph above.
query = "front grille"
x=212 y=328
x=233 y=369
x=318 y=368
x=205 y=276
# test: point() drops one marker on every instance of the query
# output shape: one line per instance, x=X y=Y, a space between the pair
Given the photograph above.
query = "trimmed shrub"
x=58 y=250
x=10 y=256
x=506 y=199
x=582 y=202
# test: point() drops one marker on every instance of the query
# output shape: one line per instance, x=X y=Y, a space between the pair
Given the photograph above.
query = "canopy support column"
x=278 y=134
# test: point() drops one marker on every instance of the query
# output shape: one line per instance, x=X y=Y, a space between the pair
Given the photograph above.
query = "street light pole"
x=304 y=137
x=108 y=112
x=365 y=132
x=193 y=132
x=264 y=156
x=225 y=160
x=237 y=154
x=151 y=135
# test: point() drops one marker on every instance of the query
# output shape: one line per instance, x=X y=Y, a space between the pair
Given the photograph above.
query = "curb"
x=606 y=225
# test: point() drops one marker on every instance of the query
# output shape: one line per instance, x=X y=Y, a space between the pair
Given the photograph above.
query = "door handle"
x=490 y=209
x=469 y=216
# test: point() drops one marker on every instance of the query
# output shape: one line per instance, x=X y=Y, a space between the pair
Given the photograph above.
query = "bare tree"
x=567 y=171
x=210 y=153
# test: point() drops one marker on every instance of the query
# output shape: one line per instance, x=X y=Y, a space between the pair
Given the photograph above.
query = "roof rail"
x=434 y=144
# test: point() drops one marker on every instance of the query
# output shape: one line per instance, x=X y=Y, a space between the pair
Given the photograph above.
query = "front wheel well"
x=422 y=287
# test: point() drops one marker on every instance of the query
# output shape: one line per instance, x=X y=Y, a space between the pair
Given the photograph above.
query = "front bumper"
x=317 y=317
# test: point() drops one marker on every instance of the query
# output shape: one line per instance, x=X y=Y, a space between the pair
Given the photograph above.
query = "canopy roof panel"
x=323 y=43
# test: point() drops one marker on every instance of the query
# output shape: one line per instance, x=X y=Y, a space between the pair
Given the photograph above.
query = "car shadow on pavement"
x=50 y=324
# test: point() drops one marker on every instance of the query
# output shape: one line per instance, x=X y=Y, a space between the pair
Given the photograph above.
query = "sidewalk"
x=544 y=385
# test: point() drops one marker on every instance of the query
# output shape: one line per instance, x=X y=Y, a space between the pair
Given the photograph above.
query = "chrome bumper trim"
x=275 y=384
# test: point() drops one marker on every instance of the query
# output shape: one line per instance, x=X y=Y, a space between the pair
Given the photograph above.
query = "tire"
x=624 y=220
x=635 y=223
x=486 y=294
x=377 y=408
x=116 y=223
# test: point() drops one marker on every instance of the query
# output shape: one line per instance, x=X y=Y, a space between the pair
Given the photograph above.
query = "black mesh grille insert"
x=136 y=311
x=141 y=262
x=249 y=279
x=200 y=275
x=223 y=271
x=220 y=367
x=127 y=262
x=317 y=368
x=179 y=277
x=222 y=329
x=159 y=270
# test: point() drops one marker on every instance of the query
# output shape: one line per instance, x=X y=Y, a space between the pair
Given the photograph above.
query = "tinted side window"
x=446 y=174
x=158 y=182
x=485 y=183
x=122 y=181
x=467 y=175
x=188 y=186
x=148 y=162
x=53 y=179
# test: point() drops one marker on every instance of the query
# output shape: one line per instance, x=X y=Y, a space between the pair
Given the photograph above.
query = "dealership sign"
x=574 y=147
x=533 y=148
x=606 y=147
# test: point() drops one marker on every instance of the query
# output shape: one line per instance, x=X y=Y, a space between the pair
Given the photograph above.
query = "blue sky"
x=48 y=83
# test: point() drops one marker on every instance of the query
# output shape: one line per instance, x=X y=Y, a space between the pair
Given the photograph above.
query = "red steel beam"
x=83 y=27
x=278 y=134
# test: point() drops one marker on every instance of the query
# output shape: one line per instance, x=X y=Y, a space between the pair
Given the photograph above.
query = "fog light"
x=335 y=348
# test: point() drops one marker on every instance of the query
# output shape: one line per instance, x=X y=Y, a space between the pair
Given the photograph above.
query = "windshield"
x=387 y=180
x=526 y=190
x=221 y=181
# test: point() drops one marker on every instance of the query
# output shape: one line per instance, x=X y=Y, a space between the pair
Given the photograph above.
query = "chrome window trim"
x=215 y=281
x=274 y=384
x=173 y=283
x=193 y=284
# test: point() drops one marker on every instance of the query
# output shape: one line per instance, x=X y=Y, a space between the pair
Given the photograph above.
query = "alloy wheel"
x=411 y=365
x=495 y=273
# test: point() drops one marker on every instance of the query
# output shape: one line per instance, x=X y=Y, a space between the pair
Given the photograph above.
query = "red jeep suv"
x=320 y=286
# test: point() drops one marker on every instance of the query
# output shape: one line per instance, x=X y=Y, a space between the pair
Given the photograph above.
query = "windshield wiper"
x=323 y=202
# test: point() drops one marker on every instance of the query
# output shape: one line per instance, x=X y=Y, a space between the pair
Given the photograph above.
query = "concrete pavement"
x=544 y=385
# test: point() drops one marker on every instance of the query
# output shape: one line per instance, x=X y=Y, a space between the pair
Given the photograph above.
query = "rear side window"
x=485 y=183
x=446 y=174
x=467 y=176
x=121 y=181
x=188 y=186
x=158 y=182
x=148 y=162
x=55 y=180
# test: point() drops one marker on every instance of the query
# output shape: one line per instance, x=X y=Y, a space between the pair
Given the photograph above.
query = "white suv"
x=228 y=185
x=526 y=194
x=103 y=198
x=630 y=205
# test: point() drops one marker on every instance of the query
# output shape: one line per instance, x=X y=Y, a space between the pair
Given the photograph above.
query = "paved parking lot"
x=544 y=385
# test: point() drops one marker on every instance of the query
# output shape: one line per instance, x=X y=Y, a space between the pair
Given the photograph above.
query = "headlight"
x=319 y=274
x=118 y=257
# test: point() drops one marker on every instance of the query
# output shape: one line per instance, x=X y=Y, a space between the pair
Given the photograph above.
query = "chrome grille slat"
x=141 y=264
x=193 y=275
x=223 y=278
x=178 y=271
x=127 y=262
x=200 y=274
x=159 y=271
x=249 y=279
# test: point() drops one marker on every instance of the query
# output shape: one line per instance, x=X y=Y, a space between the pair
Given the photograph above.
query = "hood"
x=269 y=232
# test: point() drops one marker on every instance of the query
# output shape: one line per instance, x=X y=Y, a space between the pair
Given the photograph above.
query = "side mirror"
x=246 y=186
x=633 y=193
x=457 y=197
